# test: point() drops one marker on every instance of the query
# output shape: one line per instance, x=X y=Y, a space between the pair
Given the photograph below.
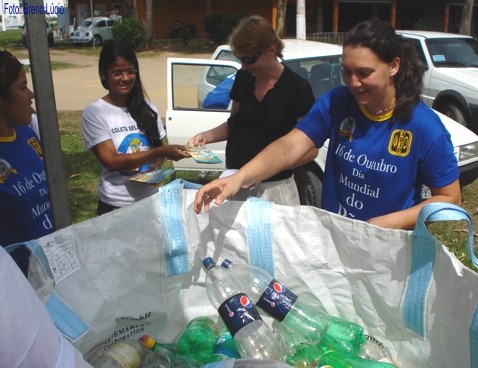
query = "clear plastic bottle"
x=123 y=354
x=301 y=319
x=374 y=349
x=252 y=336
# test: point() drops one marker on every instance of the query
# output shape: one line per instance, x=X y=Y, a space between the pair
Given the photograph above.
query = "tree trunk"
x=281 y=14
x=149 y=23
x=465 y=24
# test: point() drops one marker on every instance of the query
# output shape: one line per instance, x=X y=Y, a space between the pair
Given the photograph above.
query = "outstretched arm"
x=284 y=153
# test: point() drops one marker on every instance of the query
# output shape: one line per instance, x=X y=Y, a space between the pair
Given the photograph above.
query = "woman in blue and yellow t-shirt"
x=385 y=143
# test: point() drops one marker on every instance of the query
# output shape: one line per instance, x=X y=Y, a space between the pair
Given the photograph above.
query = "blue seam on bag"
x=259 y=233
x=473 y=332
x=65 y=319
x=174 y=238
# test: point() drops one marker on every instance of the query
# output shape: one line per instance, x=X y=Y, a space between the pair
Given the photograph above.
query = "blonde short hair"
x=253 y=35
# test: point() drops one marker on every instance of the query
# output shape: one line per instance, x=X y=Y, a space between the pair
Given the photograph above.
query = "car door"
x=189 y=81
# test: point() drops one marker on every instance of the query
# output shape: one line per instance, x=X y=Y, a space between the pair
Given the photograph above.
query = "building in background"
x=321 y=15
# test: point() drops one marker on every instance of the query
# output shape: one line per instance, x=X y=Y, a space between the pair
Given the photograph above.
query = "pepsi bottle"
x=252 y=336
x=299 y=318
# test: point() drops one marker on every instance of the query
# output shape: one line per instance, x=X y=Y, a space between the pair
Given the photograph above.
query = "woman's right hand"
x=198 y=140
x=174 y=152
x=218 y=191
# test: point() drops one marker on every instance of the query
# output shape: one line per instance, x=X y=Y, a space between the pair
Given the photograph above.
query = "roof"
x=302 y=49
x=432 y=34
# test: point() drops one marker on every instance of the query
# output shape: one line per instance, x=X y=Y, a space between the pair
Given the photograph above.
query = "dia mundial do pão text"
x=47 y=8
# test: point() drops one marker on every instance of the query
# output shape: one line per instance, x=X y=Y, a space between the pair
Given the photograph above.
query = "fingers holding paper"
x=216 y=191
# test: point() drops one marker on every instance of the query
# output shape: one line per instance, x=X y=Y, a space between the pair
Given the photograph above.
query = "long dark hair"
x=381 y=38
x=145 y=117
x=9 y=71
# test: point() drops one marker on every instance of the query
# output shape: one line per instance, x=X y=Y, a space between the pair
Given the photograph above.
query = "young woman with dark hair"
x=25 y=211
x=385 y=143
x=123 y=129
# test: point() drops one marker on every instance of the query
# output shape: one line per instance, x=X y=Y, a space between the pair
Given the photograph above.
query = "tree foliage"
x=130 y=30
x=220 y=25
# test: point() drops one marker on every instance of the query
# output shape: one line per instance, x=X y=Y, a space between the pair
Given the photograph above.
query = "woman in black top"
x=268 y=100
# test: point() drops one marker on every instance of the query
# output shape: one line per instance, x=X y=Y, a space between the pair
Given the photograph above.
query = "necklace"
x=385 y=110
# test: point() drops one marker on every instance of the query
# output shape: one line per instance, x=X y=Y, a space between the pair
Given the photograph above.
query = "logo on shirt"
x=347 y=128
x=33 y=143
x=400 y=143
x=5 y=170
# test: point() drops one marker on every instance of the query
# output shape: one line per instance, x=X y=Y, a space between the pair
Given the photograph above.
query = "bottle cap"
x=208 y=262
x=226 y=263
x=147 y=341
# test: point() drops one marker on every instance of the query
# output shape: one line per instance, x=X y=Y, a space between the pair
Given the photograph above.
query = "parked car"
x=190 y=80
x=93 y=30
x=450 y=83
x=49 y=34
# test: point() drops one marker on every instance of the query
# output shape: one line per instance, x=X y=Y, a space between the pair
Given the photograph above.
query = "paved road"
x=75 y=88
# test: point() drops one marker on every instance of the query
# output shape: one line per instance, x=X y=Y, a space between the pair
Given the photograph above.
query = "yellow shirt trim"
x=377 y=118
x=10 y=138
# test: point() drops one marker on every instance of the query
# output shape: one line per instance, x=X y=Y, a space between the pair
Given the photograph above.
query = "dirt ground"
x=75 y=88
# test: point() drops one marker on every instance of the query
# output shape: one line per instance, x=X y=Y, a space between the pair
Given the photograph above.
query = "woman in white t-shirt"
x=124 y=130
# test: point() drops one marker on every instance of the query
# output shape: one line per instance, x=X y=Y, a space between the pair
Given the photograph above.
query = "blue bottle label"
x=238 y=311
x=277 y=300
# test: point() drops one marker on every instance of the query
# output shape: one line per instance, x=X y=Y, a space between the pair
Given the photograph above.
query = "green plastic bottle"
x=198 y=340
x=337 y=359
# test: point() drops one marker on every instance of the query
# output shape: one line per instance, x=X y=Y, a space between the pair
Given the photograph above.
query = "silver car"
x=93 y=30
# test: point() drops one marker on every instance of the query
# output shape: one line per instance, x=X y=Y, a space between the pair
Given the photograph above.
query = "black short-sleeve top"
x=258 y=123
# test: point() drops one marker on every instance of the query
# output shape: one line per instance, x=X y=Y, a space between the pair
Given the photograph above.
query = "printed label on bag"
x=238 y=311
x=60 y=251
x=277 y=300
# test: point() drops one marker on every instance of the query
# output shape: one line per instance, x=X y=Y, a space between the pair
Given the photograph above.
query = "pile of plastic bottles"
x=301 y=335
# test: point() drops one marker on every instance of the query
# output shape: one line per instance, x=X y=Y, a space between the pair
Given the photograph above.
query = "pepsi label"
x=238 y=311
x=277 y=300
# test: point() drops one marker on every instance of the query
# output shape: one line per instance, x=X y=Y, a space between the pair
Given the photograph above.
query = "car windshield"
x=85 y=23
x=453 y=52
x=323 y=73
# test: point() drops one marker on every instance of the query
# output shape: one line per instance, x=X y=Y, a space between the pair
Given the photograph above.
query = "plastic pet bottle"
x=198 y=340
x=252 y=336
x=300 y=318
x=337 y=359
x=123 y=354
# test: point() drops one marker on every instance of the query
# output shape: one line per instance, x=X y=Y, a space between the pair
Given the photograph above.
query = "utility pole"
x=47 y=115
x=301 y=27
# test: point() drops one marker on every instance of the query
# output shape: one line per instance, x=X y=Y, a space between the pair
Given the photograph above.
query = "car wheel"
x=310 y=188
x=97 y=41
x=454 y=112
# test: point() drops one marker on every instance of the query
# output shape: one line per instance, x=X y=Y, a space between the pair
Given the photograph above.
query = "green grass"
x=11 y=38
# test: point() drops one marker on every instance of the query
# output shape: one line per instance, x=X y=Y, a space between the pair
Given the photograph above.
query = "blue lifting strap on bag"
x=176 y=246
x=259 y=233
x=423 y=264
